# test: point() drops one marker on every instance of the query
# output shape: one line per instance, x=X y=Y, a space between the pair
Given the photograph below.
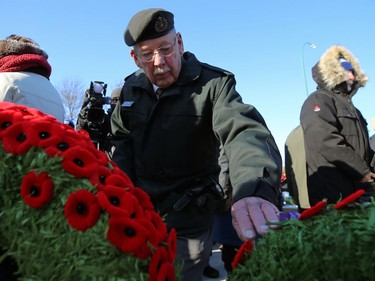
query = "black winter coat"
x=335 y=133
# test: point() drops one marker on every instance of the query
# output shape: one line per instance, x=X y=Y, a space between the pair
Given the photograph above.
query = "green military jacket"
x=170 y=144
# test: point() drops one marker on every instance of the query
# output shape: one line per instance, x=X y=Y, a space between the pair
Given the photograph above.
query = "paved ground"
x=216 y=262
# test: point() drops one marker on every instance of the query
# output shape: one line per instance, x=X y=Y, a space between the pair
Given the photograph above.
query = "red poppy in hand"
x=316 y=209
x=349 y=199
x=245 y=249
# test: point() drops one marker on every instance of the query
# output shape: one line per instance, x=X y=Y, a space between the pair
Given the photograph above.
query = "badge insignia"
x=317 y=108
x=161 y=25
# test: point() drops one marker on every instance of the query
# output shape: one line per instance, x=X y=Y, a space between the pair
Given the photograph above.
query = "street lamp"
x=313 y=46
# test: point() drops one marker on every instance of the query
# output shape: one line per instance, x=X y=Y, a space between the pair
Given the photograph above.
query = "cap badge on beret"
x=161 y=25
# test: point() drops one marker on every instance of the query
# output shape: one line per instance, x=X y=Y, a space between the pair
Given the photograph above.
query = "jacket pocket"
x=348 y=122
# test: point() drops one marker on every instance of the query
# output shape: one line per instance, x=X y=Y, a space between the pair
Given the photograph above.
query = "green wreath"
x=68 y=213
x=326 y=243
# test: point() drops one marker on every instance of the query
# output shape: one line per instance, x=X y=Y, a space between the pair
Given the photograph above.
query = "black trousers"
x=8 y=269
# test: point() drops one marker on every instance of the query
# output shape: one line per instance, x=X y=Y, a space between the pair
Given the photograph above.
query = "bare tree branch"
x=72 y=93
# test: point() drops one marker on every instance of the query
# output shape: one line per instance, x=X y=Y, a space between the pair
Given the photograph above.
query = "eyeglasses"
x=164 y=51
x=115 y=100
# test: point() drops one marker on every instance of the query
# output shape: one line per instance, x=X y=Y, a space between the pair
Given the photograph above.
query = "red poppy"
x=312 y=211
x=128 y=235
x=44 y=117
x=99 y=178
x=36 y=189
x=349 y=199
x=244 y=250
x=6 y=105
x=143 y=198
x=82 y=210
x=26 y=112
x=41 y=132
x=166 y=272
x=15 y=140
x=130 y=204
x=144 y=252
x=159 y=257
x=159 y=225
x=119 y=180
x=172 y=244
x=84 y=133
x=79 y=162
x=62 y=140
x=71 y=133
x=109 y=197
x=116 y=200
x=127 y=182
x=86 y=137
x=32 y=113
x=101 y=157
x=7 y=119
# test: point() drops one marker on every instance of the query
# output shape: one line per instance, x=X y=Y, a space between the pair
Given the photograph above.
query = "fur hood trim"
x=17 y=45
x=331 y=71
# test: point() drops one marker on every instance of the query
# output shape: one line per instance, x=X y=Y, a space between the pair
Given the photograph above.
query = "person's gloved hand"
x=249 y=217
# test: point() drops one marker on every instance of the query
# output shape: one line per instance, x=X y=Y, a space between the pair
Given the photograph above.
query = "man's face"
x=350 y=79
x=163 y=69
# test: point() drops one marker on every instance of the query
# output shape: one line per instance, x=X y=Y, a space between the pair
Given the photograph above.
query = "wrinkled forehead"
x=156 y=42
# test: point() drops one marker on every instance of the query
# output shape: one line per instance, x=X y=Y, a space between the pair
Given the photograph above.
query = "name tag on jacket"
x=127 y=103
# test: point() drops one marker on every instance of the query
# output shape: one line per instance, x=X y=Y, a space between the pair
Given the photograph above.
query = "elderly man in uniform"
x=173 y=114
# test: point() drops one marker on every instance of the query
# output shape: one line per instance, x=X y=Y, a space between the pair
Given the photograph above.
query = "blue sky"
x=261 y=42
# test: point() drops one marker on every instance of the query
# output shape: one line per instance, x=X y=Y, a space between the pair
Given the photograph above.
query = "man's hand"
x=249 y=217
x=368 y=178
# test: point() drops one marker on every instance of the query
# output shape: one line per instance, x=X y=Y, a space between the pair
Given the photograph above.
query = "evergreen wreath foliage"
x=69 y=213
x=329 y=243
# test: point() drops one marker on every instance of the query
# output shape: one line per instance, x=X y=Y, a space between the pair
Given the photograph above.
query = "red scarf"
x=14 y=63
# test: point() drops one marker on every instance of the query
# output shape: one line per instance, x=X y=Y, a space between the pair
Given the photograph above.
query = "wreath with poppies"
x=326 y=242
x=68 y=212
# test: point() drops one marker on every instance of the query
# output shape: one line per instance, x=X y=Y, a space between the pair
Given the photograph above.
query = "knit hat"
x=18 y=53
x=18 y=45
x=345 y=64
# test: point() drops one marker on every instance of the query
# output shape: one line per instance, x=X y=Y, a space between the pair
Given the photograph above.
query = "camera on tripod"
x=97 y=98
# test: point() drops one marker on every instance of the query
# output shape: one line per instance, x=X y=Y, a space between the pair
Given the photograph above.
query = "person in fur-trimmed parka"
x=24 y=76
x=338 y=154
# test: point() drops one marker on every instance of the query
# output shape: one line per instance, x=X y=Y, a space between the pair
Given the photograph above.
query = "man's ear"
x=180 y=43
x=134 y=56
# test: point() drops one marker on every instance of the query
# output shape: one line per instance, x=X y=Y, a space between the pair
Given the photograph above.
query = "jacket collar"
x=190 y=69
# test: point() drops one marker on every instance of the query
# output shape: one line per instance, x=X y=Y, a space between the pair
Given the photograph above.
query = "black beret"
x=148 y=24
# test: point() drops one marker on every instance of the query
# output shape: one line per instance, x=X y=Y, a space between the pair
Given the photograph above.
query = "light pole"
x=312 y=45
